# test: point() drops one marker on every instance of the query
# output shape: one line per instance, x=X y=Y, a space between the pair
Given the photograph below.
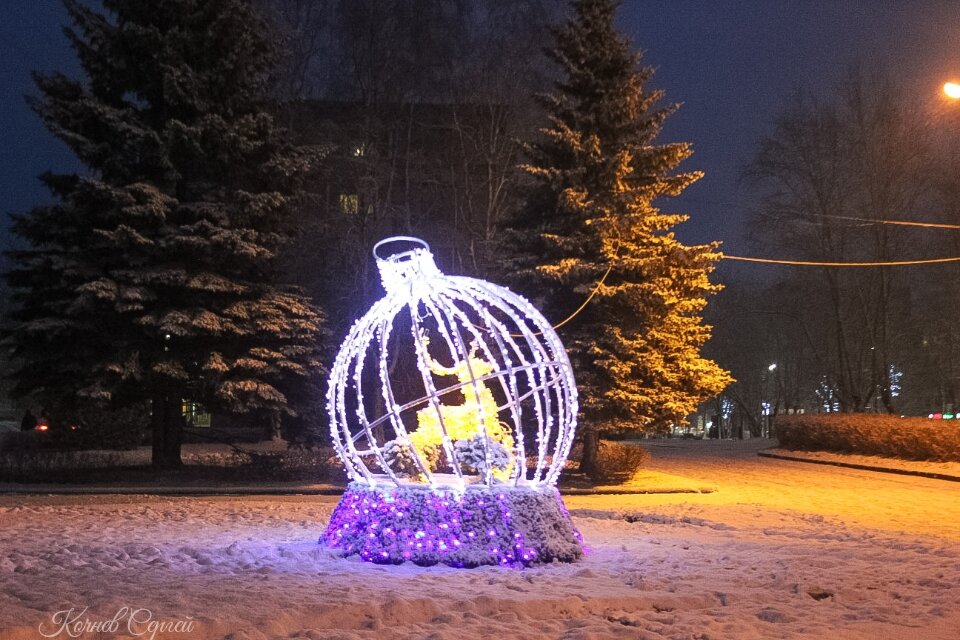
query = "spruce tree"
x=589 y=225
x=153 y=278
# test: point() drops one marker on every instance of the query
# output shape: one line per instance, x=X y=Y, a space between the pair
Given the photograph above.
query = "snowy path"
x=740 y=563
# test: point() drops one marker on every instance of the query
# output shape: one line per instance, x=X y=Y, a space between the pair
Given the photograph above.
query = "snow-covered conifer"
x=152 y=277
x=590 y=218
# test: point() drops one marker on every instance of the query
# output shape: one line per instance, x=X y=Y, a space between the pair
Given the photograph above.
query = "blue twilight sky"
x=732 y=64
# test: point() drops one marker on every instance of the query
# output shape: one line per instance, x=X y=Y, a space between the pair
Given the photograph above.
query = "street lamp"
x=767 y=408
x=952 y=90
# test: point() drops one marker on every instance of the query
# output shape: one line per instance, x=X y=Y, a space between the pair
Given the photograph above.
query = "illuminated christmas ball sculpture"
x=453 y=408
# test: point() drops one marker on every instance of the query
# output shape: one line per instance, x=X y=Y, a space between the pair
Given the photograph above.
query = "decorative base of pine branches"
x=476 y=526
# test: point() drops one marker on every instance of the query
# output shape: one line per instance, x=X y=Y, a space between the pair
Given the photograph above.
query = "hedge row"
x=871 y=434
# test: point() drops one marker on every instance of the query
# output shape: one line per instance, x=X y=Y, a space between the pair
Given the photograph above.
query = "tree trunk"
x=590 y=461
x=167 y=426
x=273 y=427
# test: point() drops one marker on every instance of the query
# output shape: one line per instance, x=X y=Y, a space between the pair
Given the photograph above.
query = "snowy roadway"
x=782 y=550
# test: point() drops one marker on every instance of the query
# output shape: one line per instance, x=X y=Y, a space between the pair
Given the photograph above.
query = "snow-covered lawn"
x=881 y=552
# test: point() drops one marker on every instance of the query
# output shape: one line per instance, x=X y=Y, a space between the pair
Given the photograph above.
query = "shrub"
x=401 y=458
x=74 y=427
x=473 y=454
x=20 y=441
x=618 y=461
x=293 y=464
x=102 y=428
x=626 y=433
x=55 y=466
x=871 y=434
x=78 y=467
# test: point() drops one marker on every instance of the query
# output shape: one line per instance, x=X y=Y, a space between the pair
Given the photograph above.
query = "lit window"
x=349 y=203
x=195 y=414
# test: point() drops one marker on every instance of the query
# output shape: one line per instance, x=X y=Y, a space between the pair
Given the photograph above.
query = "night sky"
x=732 y=64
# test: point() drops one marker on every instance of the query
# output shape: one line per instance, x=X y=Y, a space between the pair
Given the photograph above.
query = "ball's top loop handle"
x=395 y=240
x=400 y=269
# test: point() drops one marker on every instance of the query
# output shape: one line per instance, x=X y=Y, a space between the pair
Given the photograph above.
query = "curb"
x=864 y=467
x=61 y=490
x=64 y=490
x=632 y=492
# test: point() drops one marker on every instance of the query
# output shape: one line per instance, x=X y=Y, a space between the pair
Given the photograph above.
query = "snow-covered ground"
x=881 y=552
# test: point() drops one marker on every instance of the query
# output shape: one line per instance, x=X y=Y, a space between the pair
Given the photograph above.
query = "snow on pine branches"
x=590 y=223
x=153 y=276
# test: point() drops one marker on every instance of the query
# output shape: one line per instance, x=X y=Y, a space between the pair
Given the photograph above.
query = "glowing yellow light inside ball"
x=475 y=416
x=952 y=90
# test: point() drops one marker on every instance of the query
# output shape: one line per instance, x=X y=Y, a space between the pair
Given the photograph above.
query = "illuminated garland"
x=508 y=377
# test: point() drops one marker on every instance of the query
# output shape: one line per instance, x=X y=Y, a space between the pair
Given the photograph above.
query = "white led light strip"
x=465 y=322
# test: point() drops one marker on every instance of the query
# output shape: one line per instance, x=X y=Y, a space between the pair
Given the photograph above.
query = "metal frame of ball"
x=509 y=332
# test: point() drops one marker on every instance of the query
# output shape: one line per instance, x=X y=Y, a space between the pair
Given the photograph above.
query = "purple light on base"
x=389 y=525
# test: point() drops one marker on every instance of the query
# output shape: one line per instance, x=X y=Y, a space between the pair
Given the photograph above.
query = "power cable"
x=809 y=263
x=901 y=223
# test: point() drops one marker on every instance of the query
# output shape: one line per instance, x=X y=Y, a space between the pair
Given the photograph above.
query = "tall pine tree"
x=153 y=278
x=589 y=225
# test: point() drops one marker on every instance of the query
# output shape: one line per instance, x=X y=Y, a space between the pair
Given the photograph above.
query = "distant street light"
x=767 y=408
x=952 y=90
